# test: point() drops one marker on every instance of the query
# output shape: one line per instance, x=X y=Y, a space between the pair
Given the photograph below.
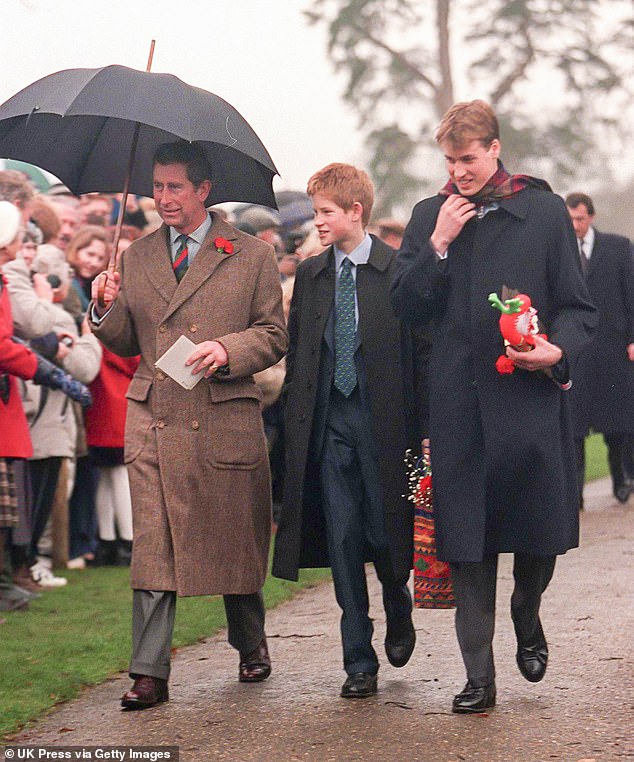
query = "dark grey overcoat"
x=603 y=395
x=394 y=366
x=502 y=450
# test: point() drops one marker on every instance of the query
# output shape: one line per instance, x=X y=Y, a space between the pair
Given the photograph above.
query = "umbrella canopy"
x=79 y=124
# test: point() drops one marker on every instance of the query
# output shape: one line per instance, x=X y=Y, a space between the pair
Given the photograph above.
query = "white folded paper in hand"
x=173 y=363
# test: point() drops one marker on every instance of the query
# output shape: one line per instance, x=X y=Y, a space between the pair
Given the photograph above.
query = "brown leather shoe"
x=256 y=666
x=146 y=692
x=22 y=578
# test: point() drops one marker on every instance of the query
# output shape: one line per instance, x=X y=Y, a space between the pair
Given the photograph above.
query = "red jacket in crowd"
x=105 y=419
x=15 y=360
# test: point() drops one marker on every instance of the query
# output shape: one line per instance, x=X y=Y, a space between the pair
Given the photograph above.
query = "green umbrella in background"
x=38 y=178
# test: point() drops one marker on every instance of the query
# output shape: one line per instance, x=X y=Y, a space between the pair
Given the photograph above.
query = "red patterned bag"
x=432 y=580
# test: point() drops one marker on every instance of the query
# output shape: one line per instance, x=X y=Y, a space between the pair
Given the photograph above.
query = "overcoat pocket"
x=138 y=418
x=235 y=434
x=139 y=389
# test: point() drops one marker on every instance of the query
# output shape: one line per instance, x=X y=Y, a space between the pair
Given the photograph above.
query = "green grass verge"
x=78 y=635
x=596 y=458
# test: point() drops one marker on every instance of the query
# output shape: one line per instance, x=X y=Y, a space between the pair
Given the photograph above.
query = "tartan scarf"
x=499 y=186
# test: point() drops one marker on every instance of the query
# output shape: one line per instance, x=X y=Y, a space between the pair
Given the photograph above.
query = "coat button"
x=160 y=424
x=195 y=425
x=193 y=327
x=162 y=328
x=474 y=383
x=317 y=315
x=302 y=418
x=309 y=385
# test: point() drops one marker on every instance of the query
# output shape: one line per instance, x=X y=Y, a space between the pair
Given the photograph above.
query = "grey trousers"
x=153 y=615
x=475 y=587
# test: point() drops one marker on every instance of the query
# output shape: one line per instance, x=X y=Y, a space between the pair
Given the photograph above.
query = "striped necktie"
x=345 y=370
x=181 y=262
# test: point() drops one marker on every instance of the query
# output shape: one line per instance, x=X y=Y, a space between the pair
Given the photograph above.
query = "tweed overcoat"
x=394 y=367
x=501 y=445
x=197 y=459
x=603 y=396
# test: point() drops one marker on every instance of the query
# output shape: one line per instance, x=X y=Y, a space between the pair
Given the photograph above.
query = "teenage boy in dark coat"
x=348 y=405
x=501 y=445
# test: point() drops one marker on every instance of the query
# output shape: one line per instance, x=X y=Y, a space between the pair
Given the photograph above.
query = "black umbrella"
x=80 y=125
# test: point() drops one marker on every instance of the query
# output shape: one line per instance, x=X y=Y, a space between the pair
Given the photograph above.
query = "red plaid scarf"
x=499 y=186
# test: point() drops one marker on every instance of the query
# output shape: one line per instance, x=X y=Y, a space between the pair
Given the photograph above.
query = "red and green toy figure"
x=518 y=326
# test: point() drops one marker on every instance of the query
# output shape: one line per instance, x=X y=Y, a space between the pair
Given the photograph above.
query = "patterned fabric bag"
x=432 y=580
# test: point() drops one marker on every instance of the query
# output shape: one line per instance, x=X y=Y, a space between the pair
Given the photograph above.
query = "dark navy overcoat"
x=603 y=397
x=502 y=451
x=393 y=363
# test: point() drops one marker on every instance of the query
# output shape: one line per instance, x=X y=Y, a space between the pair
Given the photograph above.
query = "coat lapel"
x=597 y=253
x=157 y=265
x=204 y=264
x=371 y=291
x=323 y=272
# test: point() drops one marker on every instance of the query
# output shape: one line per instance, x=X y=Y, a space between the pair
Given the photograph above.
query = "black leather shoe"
x=474 y=700
x=359 y=685
x=622 y=493
x=400 y=639
x=146 y=692
x=256 y=666
x=532 y=661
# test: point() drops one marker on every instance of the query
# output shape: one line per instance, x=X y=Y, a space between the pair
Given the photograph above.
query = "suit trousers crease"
x=353 y=511
x=475 y=589
x=153 y=614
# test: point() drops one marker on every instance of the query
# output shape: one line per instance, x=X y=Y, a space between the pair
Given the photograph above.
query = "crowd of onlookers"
x=68 y=503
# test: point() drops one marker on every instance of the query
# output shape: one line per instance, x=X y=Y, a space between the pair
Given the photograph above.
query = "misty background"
x=366 y=81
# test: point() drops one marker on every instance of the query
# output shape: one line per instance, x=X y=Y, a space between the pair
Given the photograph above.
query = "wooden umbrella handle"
x=112 y=263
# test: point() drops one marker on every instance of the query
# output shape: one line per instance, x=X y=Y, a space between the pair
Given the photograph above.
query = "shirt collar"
x=588 y=239
x=358 y=256
x=197 y=235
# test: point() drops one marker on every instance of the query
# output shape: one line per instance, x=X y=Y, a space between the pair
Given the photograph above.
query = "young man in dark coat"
x=603 y=395
x=348 y=391
x=501 y=445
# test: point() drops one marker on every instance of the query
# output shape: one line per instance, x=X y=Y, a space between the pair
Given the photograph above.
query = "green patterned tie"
x=345 y=371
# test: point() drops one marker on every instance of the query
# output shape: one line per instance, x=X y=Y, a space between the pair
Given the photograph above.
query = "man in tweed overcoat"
x=197 y=459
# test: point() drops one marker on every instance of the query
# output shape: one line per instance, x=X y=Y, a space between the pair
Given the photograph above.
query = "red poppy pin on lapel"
x=223 y=246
